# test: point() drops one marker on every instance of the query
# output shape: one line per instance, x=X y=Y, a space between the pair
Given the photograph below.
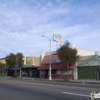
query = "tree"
x=19 y=57
x=67 y=55
x=2 y=65
x=14 y=59
x=11 y=60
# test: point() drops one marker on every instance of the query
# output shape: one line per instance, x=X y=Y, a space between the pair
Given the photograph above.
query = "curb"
x=59 y=81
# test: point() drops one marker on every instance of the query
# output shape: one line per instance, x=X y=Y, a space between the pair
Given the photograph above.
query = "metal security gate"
x=88 y=72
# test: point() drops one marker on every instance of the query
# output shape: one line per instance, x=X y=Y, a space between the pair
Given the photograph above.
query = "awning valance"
x=54 y=66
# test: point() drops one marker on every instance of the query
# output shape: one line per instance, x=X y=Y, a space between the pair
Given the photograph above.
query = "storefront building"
x=88 y=67
x=30 y=66
x=59 y=71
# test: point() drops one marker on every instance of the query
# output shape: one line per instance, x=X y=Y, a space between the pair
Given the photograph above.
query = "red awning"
x=54 y=66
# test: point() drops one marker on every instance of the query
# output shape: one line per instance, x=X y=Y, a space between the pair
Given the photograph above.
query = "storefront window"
x=54 y=71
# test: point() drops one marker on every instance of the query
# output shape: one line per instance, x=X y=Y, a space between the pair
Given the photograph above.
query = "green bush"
x=15 y=74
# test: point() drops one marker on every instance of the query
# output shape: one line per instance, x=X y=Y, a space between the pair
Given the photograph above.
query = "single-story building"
x=88 y=67
x=58 y=70
x=30 y=67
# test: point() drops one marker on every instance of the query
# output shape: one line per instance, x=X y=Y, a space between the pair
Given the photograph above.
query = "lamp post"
x=50 y=78
x=98 y=57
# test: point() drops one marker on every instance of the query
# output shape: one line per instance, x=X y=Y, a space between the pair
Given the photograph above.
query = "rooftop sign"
x=57 y=38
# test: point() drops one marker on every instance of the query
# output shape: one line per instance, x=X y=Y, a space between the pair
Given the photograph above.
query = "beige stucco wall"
x=42 y=56
x=2 y=61
x=32 y=60
x=24 y=58
x=37 y=61
x=83 y=52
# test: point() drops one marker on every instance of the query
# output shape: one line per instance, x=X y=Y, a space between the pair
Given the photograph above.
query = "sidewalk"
x=86 y=81
x=62 y=80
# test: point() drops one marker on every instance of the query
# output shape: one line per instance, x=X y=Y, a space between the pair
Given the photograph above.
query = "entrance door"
x=46 y=73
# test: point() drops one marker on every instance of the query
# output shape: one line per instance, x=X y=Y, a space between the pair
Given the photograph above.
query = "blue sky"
x=22 y=22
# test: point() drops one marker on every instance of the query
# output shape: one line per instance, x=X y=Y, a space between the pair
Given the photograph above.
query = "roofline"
x=87 y=49
x=2 y=58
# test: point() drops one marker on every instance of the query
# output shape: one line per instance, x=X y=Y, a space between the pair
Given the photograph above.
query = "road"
x=18 y=89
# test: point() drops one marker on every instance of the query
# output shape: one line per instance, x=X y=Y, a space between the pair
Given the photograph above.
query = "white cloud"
x=21 y=28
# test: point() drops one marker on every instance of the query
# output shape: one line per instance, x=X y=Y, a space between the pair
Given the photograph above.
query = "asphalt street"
x=20 y=89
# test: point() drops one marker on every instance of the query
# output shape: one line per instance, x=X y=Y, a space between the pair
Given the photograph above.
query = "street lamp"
x=50 y=78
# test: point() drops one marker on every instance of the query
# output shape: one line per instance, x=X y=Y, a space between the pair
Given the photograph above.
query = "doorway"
x=46 y=73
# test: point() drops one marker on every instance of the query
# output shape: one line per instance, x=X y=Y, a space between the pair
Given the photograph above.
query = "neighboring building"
x=2 y=60
x=59 y=71
x=86 y=55
x=3 y=71
x=88 y=68
x=30 y=67
x=83 y=52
